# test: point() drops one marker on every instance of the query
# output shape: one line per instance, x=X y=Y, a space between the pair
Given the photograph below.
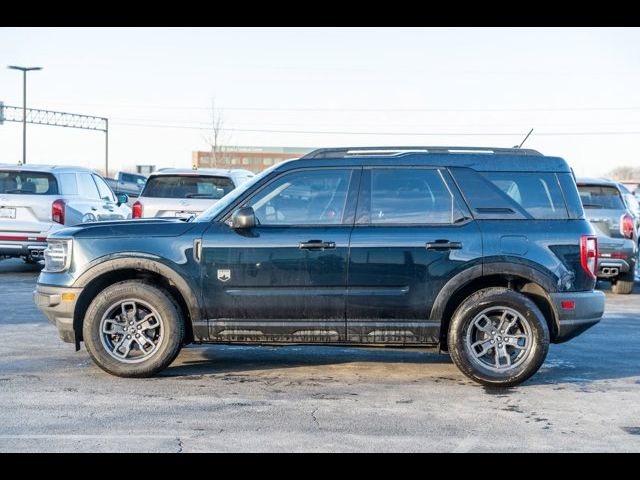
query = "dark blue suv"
x=483 y=253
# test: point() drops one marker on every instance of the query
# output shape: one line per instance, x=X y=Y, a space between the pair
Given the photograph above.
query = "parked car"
x=617 y=228
x=36 y=200
x=484 y=253
x=130 y=184
x=174 y=192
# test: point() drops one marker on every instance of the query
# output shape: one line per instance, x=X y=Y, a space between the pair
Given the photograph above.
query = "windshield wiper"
x=591 y=205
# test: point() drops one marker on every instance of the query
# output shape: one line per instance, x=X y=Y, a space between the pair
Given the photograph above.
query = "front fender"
x=184 y=283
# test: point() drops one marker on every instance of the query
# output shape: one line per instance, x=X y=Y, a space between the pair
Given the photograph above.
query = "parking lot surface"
x=586 y=397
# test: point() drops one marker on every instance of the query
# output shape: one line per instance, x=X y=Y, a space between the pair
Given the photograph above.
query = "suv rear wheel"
x=623 y=283
x=498 y=337
x=133 y=329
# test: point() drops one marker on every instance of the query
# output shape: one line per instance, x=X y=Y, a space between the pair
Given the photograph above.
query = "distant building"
x=255 y=159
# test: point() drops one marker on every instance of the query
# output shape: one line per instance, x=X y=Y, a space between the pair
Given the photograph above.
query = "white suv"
x=179 y=192
x=36 y=200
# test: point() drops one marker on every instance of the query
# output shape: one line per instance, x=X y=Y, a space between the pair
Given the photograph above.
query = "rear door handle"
x=444 y=245
x=316 y=245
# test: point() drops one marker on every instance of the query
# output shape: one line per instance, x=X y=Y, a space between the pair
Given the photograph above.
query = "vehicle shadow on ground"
x=13 y=265
x=215 y=359
x=579 y=367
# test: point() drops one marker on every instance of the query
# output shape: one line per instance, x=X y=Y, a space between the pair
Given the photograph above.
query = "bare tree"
x=625 y=173
x=215 y=138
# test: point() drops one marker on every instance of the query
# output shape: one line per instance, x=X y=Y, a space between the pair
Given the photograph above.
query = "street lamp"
x=24 y=71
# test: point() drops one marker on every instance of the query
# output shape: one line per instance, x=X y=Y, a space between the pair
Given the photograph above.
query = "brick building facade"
x=255 y=159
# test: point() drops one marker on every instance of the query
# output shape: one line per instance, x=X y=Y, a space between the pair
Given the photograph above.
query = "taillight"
x=136 y=210
x=57 y=211
x=589 y=254
x=626 y=226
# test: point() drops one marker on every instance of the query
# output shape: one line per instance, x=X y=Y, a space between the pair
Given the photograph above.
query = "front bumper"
x=58 y=309
x=588 y=308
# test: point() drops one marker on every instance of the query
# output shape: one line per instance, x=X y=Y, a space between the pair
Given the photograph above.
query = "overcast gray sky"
x=579 y=89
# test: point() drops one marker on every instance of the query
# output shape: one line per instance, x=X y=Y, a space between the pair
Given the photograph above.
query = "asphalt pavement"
x=586 y=397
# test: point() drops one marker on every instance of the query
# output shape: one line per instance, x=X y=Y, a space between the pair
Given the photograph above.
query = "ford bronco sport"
x=482 y=253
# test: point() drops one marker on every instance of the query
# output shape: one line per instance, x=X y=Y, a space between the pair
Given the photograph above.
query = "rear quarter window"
x=28 y=183
x=512 y=195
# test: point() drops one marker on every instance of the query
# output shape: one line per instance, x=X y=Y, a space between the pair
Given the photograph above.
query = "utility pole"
x=24 y=71
x=106 y=147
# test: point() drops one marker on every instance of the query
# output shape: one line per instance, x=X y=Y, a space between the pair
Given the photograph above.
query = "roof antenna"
x=525 y=139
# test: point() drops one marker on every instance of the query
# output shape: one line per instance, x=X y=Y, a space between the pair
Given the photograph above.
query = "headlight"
x=57 y=255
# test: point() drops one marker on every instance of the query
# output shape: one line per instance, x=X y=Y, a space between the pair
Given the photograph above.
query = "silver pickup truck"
x=37 y=200
x=130 y=184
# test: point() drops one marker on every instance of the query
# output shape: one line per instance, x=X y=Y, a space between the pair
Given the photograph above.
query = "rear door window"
x=600 y=197
x=87 y=187
x=187 y=186
x=28 y=183
x=406 y=196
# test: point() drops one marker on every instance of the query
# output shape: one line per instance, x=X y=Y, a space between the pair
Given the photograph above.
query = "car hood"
x=152 y=227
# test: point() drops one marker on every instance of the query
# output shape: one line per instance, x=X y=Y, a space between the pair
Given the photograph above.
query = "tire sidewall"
x=462 y=321
x=172 y=335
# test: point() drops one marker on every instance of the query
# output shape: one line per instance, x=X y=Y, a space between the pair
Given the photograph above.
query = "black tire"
x=462 y=321
x=167 y=347
x=623 y=284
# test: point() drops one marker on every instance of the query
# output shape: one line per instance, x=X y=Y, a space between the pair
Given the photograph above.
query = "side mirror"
x=123 y=198
x=243 y=218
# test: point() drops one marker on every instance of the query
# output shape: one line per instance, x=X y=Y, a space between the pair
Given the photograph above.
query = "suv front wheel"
x=498 y=337
x=133 y=329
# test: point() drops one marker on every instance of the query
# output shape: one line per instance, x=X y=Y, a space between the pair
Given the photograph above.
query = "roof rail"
x=388 y=151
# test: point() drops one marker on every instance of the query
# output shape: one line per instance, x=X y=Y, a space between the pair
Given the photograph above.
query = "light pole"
x=24 y=71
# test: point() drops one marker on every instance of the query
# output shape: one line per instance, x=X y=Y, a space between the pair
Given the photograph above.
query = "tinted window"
x=598 y=196
x=28 y=183
x=187 y=186
x=537 y=193
x=87 y=187
x=409 y=196
x=103 y=189
x=310 y=197
x=68 y=184
x=571 y=196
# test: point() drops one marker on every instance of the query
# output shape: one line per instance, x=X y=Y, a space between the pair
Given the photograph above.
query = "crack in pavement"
x=179 y=445
x=313 y=415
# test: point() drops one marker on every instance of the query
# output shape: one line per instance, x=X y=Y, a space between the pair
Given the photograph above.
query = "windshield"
x=210 y=213
x=187 y=186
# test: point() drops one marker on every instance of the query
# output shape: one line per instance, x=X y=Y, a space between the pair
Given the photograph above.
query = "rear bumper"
x=22 y=248
x=588 y=308
x=58 y=311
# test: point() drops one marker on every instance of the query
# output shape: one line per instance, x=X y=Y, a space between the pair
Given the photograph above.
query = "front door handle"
x=444 y=245
x=316 y=245
x=197 y=250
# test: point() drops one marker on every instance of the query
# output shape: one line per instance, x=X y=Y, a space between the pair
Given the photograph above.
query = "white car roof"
x=45 y=168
